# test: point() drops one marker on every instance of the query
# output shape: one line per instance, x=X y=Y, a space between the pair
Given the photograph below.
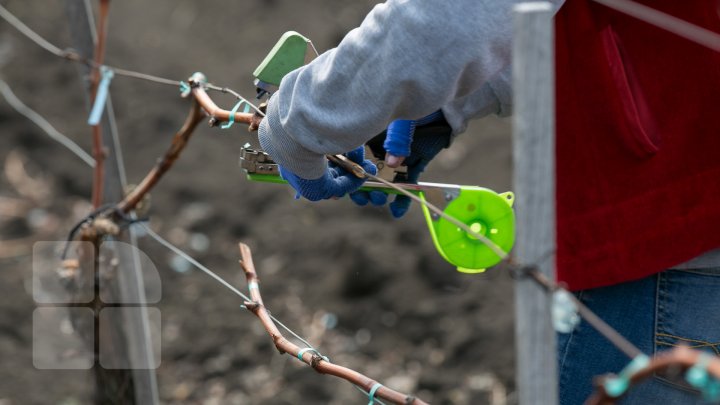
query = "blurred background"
x=371 y=292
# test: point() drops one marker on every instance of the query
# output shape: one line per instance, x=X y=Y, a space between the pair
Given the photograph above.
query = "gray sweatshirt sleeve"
x=407 y=59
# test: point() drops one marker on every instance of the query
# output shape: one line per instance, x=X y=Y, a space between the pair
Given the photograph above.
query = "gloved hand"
x=411 y=143
x=335 y=183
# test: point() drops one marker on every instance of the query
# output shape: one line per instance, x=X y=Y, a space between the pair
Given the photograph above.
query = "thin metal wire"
x=217 y=278
x=74 y=56
x=41 y=122
x=91 y=20
x=194 y=262
x=314 y=49
x=670 y=23
x=115 y=135
x=290 y=331
x=32 y=35
x=607 y=331
x=236 y=95
x=143 y=76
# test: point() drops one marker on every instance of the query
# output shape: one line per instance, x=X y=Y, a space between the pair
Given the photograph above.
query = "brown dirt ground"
x=404 y=316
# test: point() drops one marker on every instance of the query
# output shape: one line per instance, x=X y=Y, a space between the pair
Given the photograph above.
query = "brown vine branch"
x=164 y=164
x=201 y=103
x=678 y=360
x=98 y=149
x=314 y=360
x=217 y=114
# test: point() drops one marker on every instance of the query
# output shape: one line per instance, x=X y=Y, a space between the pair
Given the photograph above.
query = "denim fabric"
x=655 y=313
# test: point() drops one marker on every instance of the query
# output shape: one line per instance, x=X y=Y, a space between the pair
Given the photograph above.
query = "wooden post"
x=127 y=337
x=534 y=179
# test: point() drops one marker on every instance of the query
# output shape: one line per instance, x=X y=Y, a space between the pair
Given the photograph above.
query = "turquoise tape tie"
x=371 y=394
x=616 y=386
x=565 y=315
x=101 y=96
x=699 y=378
x=301 y=352
x=231 y=120
x=310 y=349
x=184 y=88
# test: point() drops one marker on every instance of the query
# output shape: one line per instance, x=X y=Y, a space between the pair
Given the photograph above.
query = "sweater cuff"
x=285 y=150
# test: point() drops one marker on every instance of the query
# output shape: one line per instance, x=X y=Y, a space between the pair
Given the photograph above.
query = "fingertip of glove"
x=357 y=155
x=397 y=213
x=399 y=207
x=360 y=198
x=369 y=167
x=346 y=184
x=377 y=198
x=399 y=137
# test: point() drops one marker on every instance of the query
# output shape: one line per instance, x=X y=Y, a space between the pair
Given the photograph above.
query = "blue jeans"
x=655 y=313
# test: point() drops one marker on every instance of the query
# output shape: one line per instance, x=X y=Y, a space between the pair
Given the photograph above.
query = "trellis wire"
x=32 y=35
x=670 y=23
x=41 y=122
x=217 y=278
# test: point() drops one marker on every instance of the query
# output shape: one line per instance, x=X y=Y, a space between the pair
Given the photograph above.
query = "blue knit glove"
x=412 y=143
x=335 y=183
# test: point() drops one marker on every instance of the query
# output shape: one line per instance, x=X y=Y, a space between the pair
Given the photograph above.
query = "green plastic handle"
x=288 y=54
x=271 y=178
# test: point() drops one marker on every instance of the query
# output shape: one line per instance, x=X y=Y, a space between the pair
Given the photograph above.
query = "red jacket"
x=638 y=143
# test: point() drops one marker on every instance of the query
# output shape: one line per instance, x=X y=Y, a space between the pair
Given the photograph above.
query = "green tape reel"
x=485 y=212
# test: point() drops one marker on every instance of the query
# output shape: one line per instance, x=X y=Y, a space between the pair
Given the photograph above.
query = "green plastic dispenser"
x=486 y=213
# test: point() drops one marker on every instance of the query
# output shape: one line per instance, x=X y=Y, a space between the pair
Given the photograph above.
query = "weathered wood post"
x=127 y=337
x=534 y=182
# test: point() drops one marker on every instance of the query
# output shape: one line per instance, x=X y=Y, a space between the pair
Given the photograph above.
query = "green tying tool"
x=484 y=211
